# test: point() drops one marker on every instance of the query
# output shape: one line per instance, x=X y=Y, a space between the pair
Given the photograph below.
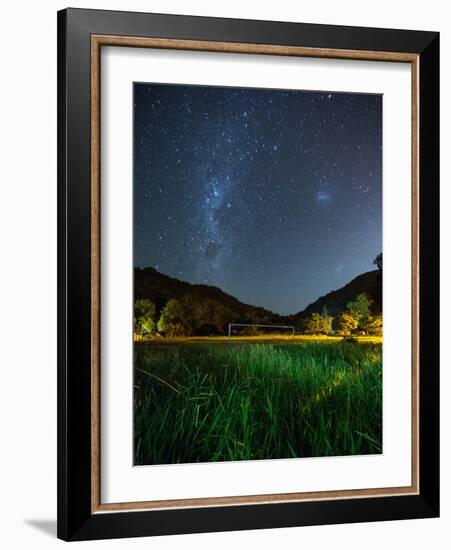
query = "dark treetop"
x=275 y=196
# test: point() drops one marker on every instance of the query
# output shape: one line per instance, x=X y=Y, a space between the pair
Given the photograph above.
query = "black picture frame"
x=76 y=521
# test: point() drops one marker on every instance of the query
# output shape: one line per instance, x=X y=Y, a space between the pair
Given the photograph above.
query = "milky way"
x=275 y=196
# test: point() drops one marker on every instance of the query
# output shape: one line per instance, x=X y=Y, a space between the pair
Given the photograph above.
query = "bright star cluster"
x=275 y=196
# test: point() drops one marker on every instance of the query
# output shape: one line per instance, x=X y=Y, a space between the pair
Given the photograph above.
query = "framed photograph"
x=248 y=274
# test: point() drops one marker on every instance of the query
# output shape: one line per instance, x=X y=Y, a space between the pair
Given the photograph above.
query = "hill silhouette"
x=337 y=300
x=160 y=288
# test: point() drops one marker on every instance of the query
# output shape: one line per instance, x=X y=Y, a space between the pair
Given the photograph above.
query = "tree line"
x=192 y=315
x=188 y=317
x=358 y=318
x=185 y=316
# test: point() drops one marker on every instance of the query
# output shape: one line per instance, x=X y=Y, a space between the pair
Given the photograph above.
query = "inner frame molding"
x=97 y=41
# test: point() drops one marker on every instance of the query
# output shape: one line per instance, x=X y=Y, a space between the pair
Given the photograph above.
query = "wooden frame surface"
x=94 y=511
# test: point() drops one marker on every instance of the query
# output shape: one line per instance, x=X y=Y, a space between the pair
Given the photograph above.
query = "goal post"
x=285 y=327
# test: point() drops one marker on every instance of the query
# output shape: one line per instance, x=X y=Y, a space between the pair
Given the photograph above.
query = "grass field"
x=205 y=402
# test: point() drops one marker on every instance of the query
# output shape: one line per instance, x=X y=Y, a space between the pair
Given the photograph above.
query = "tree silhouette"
x=378 y=261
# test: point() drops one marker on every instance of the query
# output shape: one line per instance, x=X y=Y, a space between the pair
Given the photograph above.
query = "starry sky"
x=275 y=196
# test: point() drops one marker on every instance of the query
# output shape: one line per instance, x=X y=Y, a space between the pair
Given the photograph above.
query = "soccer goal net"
x=250 y=329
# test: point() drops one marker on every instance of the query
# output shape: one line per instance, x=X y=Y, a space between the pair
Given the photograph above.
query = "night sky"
x=275 y=196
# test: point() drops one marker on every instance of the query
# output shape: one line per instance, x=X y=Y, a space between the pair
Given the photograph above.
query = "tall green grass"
x=251 y=401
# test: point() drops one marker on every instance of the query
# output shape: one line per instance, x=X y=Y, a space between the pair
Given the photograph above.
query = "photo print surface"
x=257 y=274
